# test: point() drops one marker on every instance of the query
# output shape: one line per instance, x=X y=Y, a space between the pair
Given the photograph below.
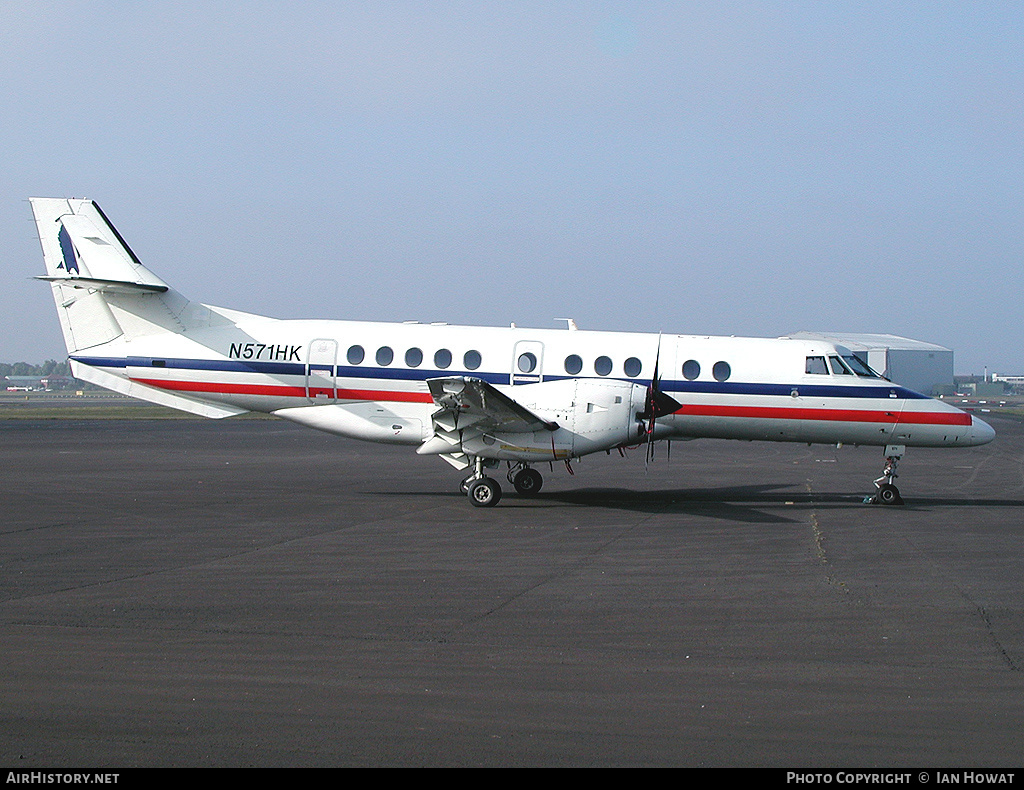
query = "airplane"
x=474 y=396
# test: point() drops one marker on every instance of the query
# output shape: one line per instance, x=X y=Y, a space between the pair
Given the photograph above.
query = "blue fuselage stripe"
x=874 y=391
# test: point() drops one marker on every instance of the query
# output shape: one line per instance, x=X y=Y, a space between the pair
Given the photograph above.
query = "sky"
x=734 y=168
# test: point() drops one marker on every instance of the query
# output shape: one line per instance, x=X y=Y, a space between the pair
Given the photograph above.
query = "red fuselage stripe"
x=285 y=391
x=690 y=410
x=831 y=415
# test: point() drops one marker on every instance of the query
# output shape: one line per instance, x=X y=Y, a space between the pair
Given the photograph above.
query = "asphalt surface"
x=249 y=593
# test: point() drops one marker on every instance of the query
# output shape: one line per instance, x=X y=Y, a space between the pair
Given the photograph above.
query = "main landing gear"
x=484 y=491
x=888 y=493
x=526 y=480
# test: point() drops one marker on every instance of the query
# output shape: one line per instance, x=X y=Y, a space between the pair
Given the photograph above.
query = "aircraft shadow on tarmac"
x=752 y=503
x=746 y=503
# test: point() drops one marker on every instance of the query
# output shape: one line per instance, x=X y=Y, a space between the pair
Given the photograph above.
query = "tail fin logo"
x=70 y=262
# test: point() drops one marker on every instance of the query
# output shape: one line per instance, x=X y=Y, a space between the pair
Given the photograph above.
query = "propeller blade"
x=650 y=407
x=658 y=403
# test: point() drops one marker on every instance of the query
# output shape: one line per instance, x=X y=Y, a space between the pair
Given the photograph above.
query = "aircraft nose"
x=981 y=431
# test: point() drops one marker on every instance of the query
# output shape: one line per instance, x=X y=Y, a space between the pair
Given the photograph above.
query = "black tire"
x=889 y=494
x=527 y=482
x=484 y=492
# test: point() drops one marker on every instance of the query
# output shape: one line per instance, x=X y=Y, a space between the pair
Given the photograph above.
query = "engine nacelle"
x=592 y=415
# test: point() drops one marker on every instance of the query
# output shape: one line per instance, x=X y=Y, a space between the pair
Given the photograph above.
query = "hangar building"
x=914 y=364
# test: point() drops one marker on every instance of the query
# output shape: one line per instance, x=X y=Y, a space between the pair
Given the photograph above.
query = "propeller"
x=657 y=403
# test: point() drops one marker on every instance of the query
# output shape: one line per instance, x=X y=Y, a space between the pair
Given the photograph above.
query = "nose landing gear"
x=888 y=493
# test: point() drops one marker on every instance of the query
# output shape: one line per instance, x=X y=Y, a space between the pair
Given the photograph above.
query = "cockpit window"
x=860 y=368
x=839 y=367
x=816 y=365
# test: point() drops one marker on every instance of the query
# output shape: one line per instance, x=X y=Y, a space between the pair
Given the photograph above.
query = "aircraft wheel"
x=889 y=494
x=464 y=485
x=484 y=492
x=527 y=482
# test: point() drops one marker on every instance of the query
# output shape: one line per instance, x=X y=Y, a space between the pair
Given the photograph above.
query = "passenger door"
x=320 y=386
x=527 y=362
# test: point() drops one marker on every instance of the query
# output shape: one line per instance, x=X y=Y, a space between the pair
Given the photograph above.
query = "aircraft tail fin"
x=101 y=289
x=83 y=250
x=106 y=296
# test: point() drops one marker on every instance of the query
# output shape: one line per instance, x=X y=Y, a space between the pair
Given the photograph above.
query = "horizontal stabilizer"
x=107 y=286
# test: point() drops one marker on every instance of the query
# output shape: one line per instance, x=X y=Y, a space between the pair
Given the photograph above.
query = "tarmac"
x=249 y=593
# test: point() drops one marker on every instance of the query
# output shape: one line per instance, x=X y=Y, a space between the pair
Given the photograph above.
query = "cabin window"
x=839 y=367
x=385 y=356
x=632 y=367
x=691 y=369
x=573 y=364
x=443 y=358
x=527 y=362
x=414 y=357
x=355 y=355
x=816 y=366
x=721 y=371
x=602 y=366
x=471 y=360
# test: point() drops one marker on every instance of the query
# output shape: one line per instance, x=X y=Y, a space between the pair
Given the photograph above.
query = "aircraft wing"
x=470 y=402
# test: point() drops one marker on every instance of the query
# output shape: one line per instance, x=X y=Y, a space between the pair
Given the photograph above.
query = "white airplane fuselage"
x=367 y=380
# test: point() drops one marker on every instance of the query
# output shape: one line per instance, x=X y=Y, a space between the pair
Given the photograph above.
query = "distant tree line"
x=49 y=368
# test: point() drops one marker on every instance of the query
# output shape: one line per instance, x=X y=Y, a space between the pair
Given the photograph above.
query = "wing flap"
x=466 y=402
x=470 y=408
